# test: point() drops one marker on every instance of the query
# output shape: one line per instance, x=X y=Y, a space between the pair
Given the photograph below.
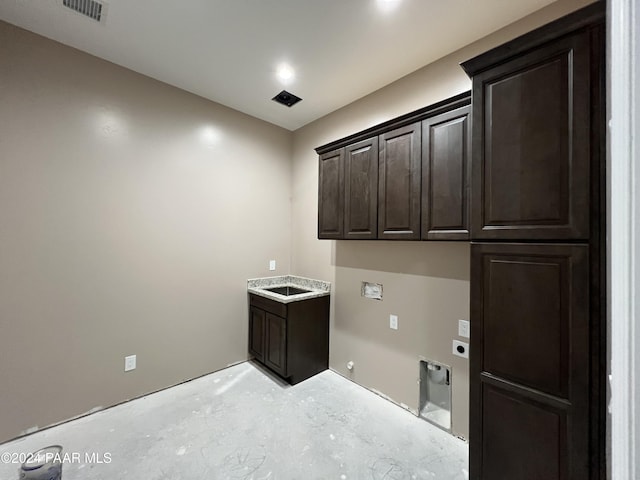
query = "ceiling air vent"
x=88 y=8
x=286 y=98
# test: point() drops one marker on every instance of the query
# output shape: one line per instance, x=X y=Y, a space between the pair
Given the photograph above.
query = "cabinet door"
x=529 y=379
x=276 y=344
x=399 y=184
x=445 y=176
x=361 y=190
x=256 y=333
x=532 y=144
x=331 y=195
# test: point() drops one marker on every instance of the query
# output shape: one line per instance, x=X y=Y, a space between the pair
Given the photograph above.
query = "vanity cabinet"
x=256 y=332
x=291 y=339
x=406 y=179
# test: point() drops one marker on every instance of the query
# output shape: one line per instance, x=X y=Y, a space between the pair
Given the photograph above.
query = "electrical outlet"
x=393 y=322
x=129 y=363
x=464 y=328
x=460 y=349
x=272 y=265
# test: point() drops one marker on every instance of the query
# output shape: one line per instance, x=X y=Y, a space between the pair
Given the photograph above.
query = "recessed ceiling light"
x=388 y=5
x=285 y=73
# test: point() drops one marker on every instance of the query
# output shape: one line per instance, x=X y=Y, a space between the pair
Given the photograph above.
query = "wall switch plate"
x=464 y=329
x=129 y=363
x=393 y=322
x=272 y=265
x=460 y=349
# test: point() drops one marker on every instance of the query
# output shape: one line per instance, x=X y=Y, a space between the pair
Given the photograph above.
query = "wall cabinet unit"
x=405 y=179
x=399 y=184
x=361 y=189
x=531 y=160
x=538 y=309
x=331 y=197
x=290 y=339
x=445 y=175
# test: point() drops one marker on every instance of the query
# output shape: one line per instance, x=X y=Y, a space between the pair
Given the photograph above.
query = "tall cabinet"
x=537 y=254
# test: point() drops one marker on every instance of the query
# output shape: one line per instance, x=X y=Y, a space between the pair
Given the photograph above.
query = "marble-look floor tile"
x=241 y=423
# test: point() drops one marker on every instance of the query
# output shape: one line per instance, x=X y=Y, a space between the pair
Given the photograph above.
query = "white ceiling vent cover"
x=88 y=8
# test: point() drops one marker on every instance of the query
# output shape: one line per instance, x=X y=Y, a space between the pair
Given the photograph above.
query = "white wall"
x=624 y=239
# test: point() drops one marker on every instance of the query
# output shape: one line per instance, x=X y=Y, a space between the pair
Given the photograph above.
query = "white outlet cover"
x=272 y=265
x=393 y=322
x=461 y=349
x=464 y=328
x=129 y=363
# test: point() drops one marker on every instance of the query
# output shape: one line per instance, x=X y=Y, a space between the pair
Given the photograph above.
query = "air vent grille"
x=88 y=8
x=286 y=98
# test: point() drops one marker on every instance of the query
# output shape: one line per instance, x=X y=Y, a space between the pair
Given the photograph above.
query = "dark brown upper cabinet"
x=532 y=144
x=399 y=184
x=361 y=190
x=445 y=175
x=331 y=195
x=372 y=184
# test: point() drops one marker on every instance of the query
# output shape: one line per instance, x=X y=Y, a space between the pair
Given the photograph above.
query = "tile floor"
x=241 y=423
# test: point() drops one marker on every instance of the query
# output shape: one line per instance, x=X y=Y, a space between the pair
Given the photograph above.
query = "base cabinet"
x=291 y=339
x=276 y=344
x=530 y=361
x=256 y=333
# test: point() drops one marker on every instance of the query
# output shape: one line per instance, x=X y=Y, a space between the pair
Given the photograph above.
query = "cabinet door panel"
x=529 y=359
x=276 y=343
x=361 y=190
x=531 y=145
x=256 y=333
x=331 y=195
x=399 y=184
x=535 y=432
x=445 y=173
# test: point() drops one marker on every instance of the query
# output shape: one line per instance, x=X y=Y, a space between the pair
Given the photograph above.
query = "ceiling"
x=228 y=50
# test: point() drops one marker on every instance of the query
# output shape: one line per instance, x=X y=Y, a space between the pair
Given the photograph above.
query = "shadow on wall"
x=430 y=259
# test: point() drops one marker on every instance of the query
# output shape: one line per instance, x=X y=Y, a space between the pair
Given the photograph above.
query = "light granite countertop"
x=318 y=288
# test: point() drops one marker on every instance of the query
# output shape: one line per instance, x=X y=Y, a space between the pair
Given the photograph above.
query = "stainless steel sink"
x=287 y=291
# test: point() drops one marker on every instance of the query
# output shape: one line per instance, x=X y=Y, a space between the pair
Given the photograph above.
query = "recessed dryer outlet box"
x=460 y=349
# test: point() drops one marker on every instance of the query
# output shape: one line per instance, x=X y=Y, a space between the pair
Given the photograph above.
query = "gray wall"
x=425 y=284
x=131 y=215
